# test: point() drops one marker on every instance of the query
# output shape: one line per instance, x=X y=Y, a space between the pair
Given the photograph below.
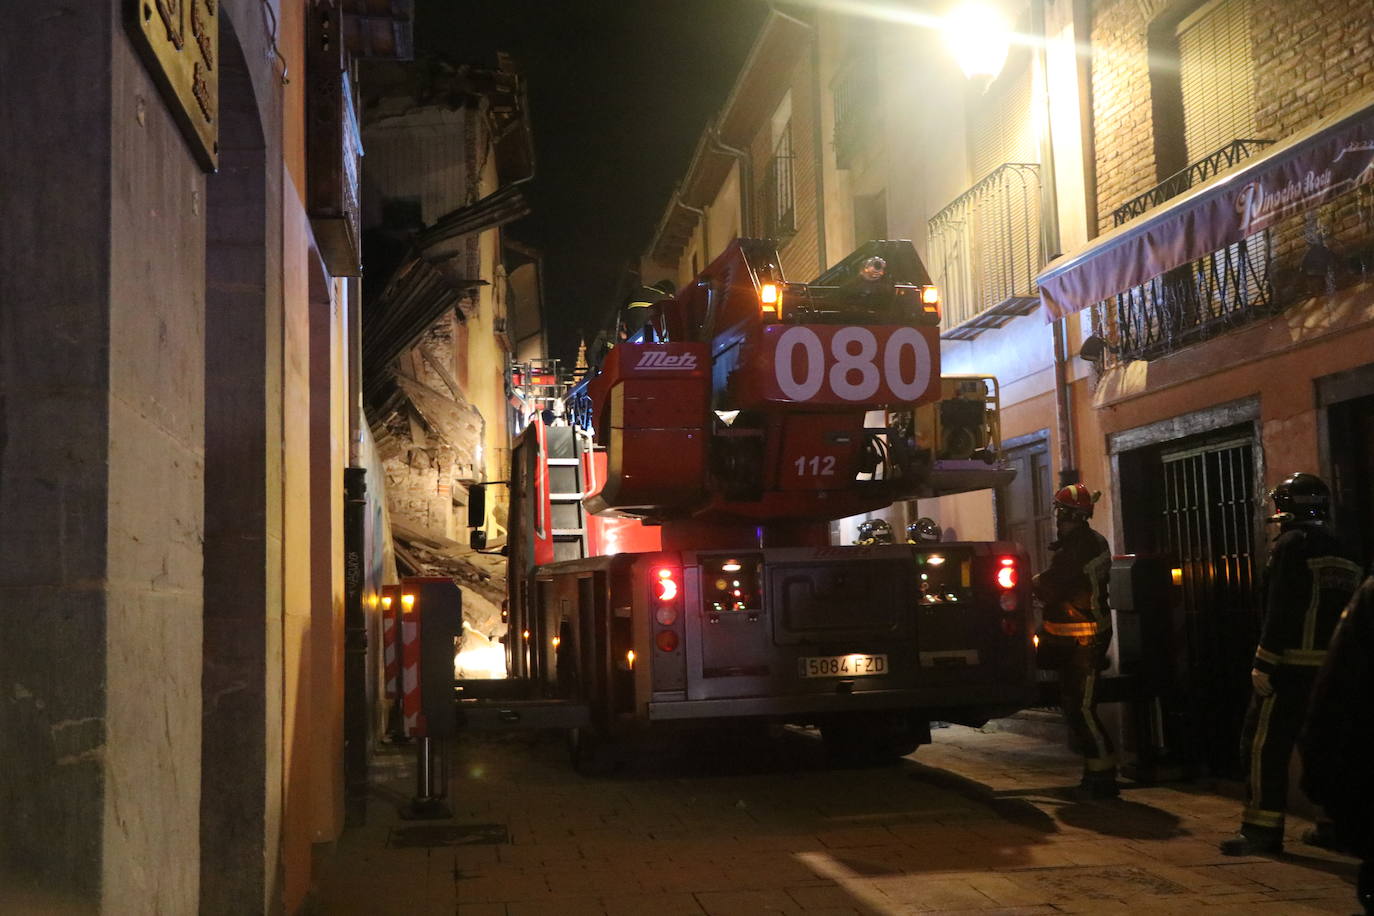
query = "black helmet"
x=923 y=531
x=1301 y=498
x=875 y=531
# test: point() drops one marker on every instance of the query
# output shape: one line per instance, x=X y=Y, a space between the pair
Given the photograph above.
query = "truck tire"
x=592 y=753
x=873 y=740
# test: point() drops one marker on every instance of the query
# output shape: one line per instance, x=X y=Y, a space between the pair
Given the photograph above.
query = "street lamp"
x=979 y=37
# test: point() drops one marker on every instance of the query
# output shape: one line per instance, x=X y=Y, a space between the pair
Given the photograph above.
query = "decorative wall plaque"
x=179 y=42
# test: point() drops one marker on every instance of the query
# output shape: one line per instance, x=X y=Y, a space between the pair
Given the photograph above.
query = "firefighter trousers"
x=1271 y=729
x=1078 y=697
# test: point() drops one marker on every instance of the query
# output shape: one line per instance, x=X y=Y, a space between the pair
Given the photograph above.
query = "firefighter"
x=639 y=306
x=923 y=531
x=874 y=531
x=1307 y=581
x=1077 y=630
x=1338 y=740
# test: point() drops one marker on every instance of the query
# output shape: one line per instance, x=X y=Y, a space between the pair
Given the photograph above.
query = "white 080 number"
x=854 y=352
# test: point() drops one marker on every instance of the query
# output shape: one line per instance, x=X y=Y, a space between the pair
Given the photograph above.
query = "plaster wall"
x=156 y=512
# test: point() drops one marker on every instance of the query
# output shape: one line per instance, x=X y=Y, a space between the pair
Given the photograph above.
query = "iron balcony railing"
x=985 y=247
x=855 y=93
x=780 y=210
x=1194 y=174
x=1190 y=303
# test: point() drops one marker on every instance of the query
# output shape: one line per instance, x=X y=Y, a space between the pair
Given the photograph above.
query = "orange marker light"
x=769 y=297
x=930 y=295
x=407 y=603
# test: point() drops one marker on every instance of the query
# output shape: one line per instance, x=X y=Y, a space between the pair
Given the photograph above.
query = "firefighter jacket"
x=1074 y=587
x=1307 y=582
x=1338 y=741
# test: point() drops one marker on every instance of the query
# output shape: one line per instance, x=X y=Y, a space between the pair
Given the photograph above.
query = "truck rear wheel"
x=873 y=740
x=592 y=753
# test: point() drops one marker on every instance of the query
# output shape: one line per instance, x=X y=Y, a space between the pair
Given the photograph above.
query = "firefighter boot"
x=1323 y=836
x=1098 y=786
x=1253 y=841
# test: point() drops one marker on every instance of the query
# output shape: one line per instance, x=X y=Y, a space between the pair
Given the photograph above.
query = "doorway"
x=1350 y=438
x=1195 y=501
x=1023 y=505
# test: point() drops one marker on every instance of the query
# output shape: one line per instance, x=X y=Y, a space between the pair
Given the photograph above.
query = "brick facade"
x=1310 y=59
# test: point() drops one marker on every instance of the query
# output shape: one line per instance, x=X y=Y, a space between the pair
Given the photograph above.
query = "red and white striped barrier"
x=414 y=720
x=391 y=660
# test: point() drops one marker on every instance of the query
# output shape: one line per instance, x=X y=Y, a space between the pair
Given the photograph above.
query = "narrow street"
x=975 y=822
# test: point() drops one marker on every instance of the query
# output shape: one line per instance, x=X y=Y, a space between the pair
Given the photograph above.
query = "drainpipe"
x=1050 y=243
x=746 y=181
x=700 y=212
x=817 y=134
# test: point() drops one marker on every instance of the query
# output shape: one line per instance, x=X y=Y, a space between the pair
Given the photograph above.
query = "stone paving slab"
x=975 y=823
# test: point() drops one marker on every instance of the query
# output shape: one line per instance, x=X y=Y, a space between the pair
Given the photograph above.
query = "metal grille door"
x=1209 y=525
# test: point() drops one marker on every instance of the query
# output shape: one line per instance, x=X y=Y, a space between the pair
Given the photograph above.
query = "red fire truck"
x=670 y=549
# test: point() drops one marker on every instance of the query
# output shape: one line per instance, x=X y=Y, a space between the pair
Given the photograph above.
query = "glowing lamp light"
x=979 y=37
x=935 y=559
x=1035 y=640
x=630 y=659
x=930 y=296
x=557 y=642
x=386 y=602
x=407 y=603
x=769 y=297
x=1176 y=574
x=731 y=566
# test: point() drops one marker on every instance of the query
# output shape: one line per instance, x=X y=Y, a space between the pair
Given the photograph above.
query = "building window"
x=1216 y=73
x=779 y=212
x=985 y=245
x=780 y=217
x=855 y=93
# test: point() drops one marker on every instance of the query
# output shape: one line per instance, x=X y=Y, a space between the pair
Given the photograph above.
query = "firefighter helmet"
x=875 y=531
x=923 y=531
x=1076 y=499
x=1301 y=497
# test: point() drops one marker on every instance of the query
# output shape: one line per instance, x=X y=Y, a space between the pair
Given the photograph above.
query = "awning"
x=1331 y=158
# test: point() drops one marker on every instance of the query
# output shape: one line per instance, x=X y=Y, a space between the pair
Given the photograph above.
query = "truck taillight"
x=666 y=640
x=1006 y=572
x=665 y=585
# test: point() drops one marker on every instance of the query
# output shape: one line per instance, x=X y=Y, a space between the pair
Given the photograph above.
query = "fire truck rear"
x=670 y=548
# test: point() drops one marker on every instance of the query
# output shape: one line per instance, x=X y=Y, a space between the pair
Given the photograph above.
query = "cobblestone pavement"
x=974 y=823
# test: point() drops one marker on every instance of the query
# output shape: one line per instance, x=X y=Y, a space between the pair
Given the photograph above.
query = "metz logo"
x=657 y=359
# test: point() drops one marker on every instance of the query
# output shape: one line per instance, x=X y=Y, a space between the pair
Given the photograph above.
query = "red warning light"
x=1006 y=573
x=667 y=585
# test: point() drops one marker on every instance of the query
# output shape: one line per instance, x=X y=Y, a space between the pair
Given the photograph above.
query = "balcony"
x=985 y=251
x=780 y=207
x=1196 y=173
x=1224 y=289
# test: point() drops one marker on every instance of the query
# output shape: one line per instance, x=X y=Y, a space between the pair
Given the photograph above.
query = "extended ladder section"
x=565 y=493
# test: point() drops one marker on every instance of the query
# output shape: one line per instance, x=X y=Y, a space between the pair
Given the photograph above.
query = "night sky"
x=619 y=92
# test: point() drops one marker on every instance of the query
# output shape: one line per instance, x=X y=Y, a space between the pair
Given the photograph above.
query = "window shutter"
x=1000 y=123
x=1217 y=75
